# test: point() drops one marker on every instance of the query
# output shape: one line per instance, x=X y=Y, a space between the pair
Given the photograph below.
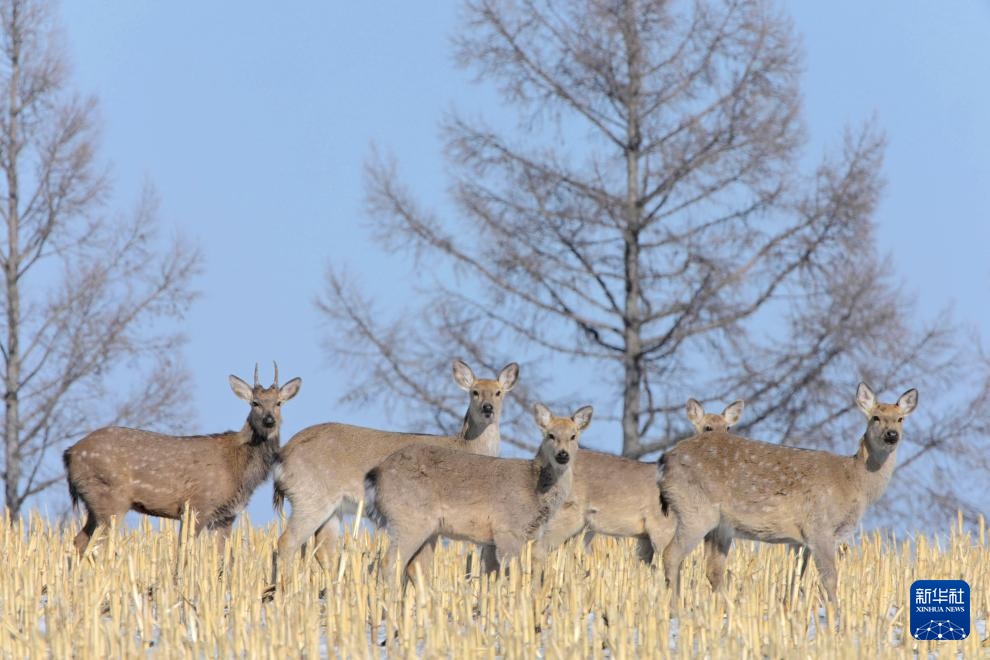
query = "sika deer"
x=421 y=492
x=728 y=486
x=114 y=469
x=322 y=467
x=706 y=422
x=616 y=496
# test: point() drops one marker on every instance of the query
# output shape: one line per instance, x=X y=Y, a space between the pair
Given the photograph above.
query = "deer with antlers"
x=114 y=470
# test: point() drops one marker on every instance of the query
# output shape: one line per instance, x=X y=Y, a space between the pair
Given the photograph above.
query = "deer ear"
x=542 y=416
x=508 y=376
x=290 y=389
x=582 y=417
x=463 y=375
x=865 y=399
x=908 y=401
x=733 y=412
x=241 y=389
x=695 y=412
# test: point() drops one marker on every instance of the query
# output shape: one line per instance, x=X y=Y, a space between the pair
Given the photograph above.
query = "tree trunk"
x=632 y=359
x=12 y=454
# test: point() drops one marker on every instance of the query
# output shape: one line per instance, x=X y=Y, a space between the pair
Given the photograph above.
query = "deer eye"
x=474 y=393
x=549 y=436
x=900 y=419
x=876 y=419
x=278 y=404
x=255 y=404
x=573 y=436
x=499 y=393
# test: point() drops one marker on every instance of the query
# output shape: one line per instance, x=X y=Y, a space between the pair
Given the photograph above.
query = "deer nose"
x=487 y=408
x=268 y=420
x=563 y=457
x=891 y=436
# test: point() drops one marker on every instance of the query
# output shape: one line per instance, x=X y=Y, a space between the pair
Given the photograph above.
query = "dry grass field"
x=137 y=594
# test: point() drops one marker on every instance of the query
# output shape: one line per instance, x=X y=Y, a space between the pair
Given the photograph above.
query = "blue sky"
x=254 y=125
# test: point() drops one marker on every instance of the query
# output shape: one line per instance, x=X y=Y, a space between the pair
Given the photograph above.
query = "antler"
x=276 y=374
x=256 y=383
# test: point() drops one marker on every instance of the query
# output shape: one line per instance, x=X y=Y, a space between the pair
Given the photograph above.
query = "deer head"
x=265 y=417
x=703 y=421
x=883 y=428
x=486 y=395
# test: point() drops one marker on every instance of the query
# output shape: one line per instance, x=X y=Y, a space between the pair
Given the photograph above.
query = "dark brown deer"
x=114 y=469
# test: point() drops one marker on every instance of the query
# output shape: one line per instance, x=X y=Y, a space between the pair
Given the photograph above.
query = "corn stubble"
x=138 y=591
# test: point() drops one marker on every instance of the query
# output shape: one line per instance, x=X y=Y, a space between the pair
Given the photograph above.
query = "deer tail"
x=370 y=498
x=278 y=494
x=73 y=491
x=664 y=502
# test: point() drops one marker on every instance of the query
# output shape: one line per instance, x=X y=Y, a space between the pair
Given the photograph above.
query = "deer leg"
x=198 y=523
x=326 y=539
x=645 y=549
x=86 y=533
x=222 y=530
x=404 y=546
x=804 y=554
x=716 y=551
x=303 y=523
x=589 y=536
x=538 y=554
x=673 y=555
x=221 y=526
x=101 y=511
x=685 y=539
x=180 y=558
x=660 y=531
x=423 y=559
x=567 y=523
x=506 y=547
x=489 y=560
x=823 y=552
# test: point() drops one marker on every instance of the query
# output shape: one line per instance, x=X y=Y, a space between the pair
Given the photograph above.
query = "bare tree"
x=651 y=221
x=86 y=294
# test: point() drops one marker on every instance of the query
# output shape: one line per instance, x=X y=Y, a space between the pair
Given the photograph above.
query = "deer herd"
x=713 y=486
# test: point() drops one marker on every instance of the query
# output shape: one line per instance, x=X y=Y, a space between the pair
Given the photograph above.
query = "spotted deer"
x=726 y=486
x=322 y=468
x=421 y=492
x=616 y=496
x=114 y=469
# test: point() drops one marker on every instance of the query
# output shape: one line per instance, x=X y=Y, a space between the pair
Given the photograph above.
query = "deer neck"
x=552 y=486
x=480 y=438
x=876 y=468
x=258 y=453
x=251 y=459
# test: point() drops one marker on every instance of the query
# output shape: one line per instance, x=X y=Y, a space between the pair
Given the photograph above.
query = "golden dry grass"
x=136 y=591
